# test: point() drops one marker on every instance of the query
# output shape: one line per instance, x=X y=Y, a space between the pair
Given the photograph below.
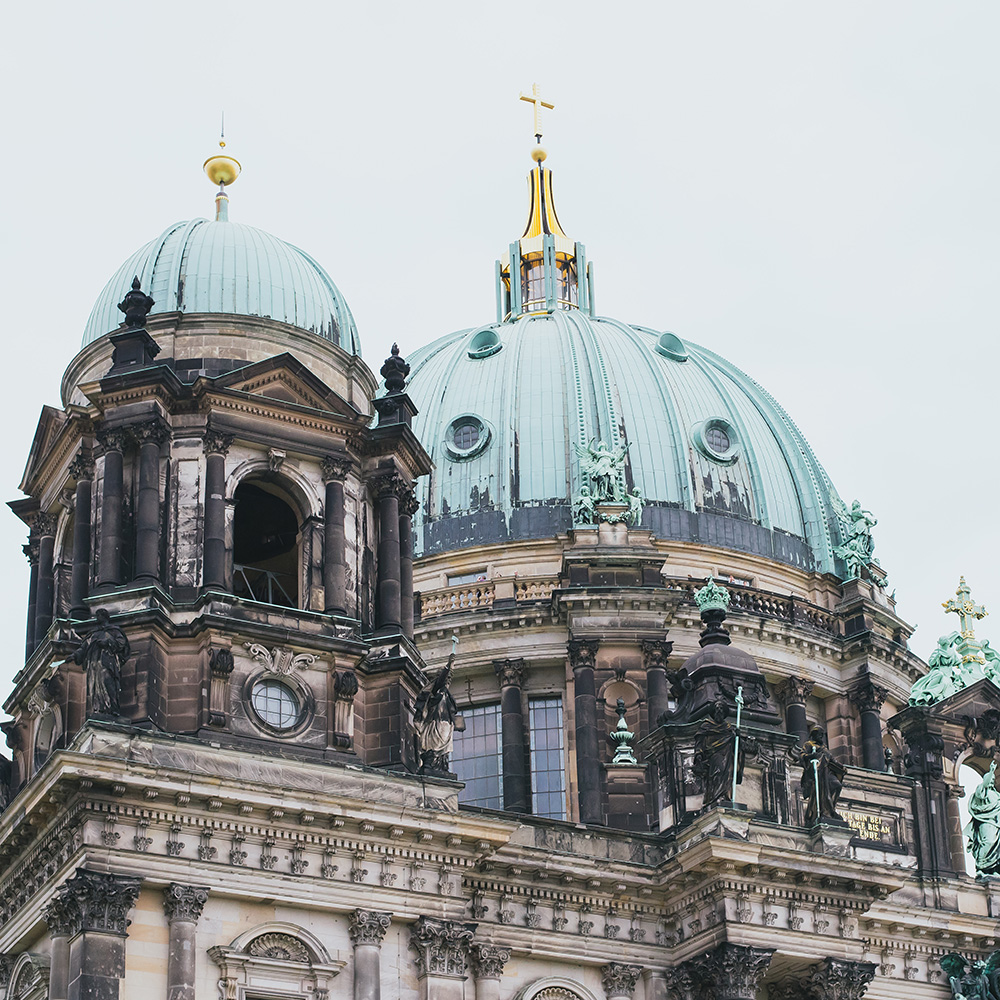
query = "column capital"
x=488 y=960
x=655 y=653
x=868 y=697
x=619 y=979
x=44 y=524
x=153 y=431
x=368 y=926
x=99 y=901
x=794 y=691
x=112 y=438
x=583 y=652
x=442 y=946
x=184 y=902
x=510 y=673
x=336 y=468
x=31 y=549
x=59 y=915
x=386 y=484
x=730 y=971
x=838 y=979
x=408 y=502
x=217 y=443
x=82 y=466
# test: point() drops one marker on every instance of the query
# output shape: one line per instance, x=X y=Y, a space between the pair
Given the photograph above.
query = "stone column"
x=367 y=929
x=956 y=839
x=97 y=904
x=838 y=979
x=31 y=554
x=387 y=586
x=583 y=658
x=82 y=470
x=408 y=506
x=488 y=961
x=728 y=972
x=868 y=698
x=45 y=526
x=149 y=436
x=793 y=693
x=516 y=787
x=59 y=916
x=109 y=567
x=619 y=980
x=335 y=470
x=183 y=905
x=216 y=449
x=442 y=953
x=655 y=653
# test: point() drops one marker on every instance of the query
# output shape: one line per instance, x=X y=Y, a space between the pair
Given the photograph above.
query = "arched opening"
x=265 y=545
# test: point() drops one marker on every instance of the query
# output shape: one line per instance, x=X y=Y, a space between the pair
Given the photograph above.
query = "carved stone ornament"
x=282 y=947
x=488 y=960
x=113 y=438
x=184 y=902
x=681 y=983
x=408 y=502
x=733 y=971
x=59 y=915
x=96 y=901
x=82 y=467
x=217 y=443
x=510 y=673
x=150 y=432
x=278 y=660
x=583 y=653
x=868 y=697
x=368 y=926
x=346 y=685
x=220 y=662
x=656 y=653
x=45 y=524
x=982 y=734
x=794 y=691
x=619 y=979
x=837 y=979
x=6 y=967
x=335 y=469
x=386 y=484
x=441 y=946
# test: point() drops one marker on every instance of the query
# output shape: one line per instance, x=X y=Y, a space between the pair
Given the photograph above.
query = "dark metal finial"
x=394 y=371
x=136 y=306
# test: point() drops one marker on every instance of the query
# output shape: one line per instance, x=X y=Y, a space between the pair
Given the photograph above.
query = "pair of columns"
x=396 y=504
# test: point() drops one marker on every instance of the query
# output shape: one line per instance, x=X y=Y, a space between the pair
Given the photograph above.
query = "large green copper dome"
x=225 y=267
x=714 y=456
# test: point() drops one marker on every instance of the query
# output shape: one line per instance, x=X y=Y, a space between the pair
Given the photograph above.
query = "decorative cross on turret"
x=535 y=98
x=968 y=614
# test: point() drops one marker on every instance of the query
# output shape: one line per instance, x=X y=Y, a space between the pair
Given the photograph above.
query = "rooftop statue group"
x=975 y=980
x=858 y=548
x=602 y=496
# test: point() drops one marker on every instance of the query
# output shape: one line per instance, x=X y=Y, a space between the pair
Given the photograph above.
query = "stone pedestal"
x=183 y=905
x=367 y=930
x=626 y=785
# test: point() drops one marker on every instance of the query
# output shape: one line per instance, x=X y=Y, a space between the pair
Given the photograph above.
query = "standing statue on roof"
x=603 y=465
x=983 y=829
x=858 y=548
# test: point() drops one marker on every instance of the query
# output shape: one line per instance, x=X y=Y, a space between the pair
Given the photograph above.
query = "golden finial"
x=538 y=154
x=223 y=170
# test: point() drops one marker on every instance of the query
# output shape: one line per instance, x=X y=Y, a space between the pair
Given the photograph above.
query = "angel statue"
x=601 y=464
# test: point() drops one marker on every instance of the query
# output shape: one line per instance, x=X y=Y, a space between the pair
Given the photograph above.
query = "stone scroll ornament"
x=983 y=829
x=976 y=980
x=435 y=719
x=822 y=779
x=103 y=653
x=601 y=470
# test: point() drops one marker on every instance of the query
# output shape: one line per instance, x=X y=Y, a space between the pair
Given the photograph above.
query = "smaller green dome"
x=225 y=267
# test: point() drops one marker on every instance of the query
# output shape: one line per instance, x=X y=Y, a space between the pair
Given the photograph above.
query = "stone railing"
x=483 y=595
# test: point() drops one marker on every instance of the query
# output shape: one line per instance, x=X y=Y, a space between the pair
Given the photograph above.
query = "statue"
x=394 y=370
x=858 y=548
x=435 y=719
x=715 y=755
x=136 y=306
x=635 y=505
x=103 y=653
x=946 y=674
x=822 y=778
x=583 y=507
x=983 y=829
x=992 y=666
x=977 y=980
x=603 y=466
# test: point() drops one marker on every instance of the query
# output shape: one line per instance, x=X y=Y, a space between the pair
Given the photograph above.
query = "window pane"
x=477 y=758
x=548 y=767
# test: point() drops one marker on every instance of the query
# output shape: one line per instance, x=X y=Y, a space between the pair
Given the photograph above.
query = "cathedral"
x=544 y=663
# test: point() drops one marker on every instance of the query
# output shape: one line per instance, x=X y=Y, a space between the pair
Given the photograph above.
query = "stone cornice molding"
x=488 y=960
x=583 y=653
x=509 y=672
x=99 y=901
x=184 y=902
x=368 y=926
x=793 y=691
x=442 y=946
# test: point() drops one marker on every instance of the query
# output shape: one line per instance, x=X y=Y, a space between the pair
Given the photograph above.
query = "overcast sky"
x=808 y=189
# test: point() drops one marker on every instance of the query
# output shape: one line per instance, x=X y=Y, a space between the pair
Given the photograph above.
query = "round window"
x=466 y=436
x=276 y=704
x=716 y=438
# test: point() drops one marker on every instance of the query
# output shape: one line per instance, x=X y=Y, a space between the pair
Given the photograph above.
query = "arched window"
x=265 y=545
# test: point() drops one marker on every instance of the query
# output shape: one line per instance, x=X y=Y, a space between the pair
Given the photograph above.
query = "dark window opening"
x=717 y=439
x=265 y=547
x=466 y=435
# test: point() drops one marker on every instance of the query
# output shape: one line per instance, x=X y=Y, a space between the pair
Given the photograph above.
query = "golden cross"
x=535 y=98
x=967 y=610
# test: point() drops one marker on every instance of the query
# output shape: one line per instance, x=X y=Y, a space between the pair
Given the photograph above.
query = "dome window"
x=671 y=346
x=716 y=438
x=484 y=343
x=275 y=704
x=467 y=435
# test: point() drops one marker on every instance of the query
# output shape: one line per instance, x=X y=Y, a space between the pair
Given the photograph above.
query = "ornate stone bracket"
x=279 y=660
x=345 y=688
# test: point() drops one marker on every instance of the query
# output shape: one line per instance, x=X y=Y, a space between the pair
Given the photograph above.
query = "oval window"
x=716 y=438
x=275 y=704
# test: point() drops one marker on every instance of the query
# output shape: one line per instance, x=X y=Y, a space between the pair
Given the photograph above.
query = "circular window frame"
x=669 y=345
x=488 y=341
x=699 y=436
x=301 y=692
x=452 y=450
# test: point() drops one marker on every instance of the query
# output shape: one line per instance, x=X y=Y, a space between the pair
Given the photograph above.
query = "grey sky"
x=808 y=189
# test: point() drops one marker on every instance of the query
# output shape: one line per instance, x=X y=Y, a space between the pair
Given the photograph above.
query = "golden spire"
x=535 y=98
x=223 y=170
